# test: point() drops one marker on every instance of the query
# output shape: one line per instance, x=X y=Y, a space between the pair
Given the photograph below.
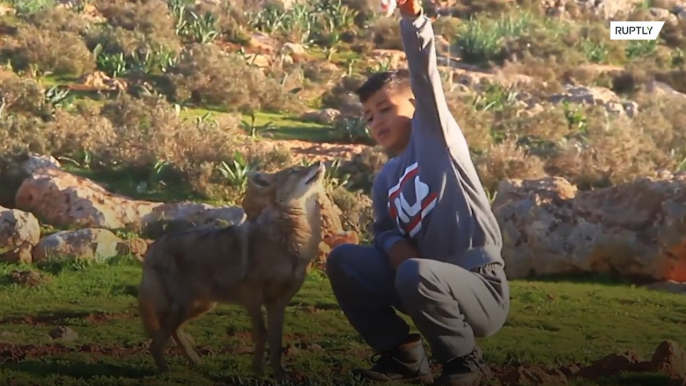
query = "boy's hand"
x=400 y=252
x=410 y=7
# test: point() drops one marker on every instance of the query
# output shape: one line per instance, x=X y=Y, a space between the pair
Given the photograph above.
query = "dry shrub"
x=74 y=135
x=150 y=120
x=663 y=119
x=59 y=19
x=21 y=96
x=207 y=75
x=476 y=125
x=60 y=52
x=135 y=26
x=507 y=160
x=611 y=150
x=384 y=33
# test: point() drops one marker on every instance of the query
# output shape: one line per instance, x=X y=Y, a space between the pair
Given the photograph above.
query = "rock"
x=671 y=286
x=258 y=60
x=324 y=117
x=636 y=229
x=98 y=81
x=681 y=15
x=88 y=244
x=393 y=58
x=6 y=10
x=65 y=200
x=20 y=254
x=17 y=228
x=670 y=358
x=532 y=375
x=35 y=162
x=609 y=9
x=661 y=14
x=585 y=95
x=261 y=43
x=62 y=199
x=174 y=217
x=63 y=333
x=294 y=48
x=136 y=247
x=663 y=89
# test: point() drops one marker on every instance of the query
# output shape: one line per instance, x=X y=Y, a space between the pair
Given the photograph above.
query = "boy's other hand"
x=410 y=7
x=401 y=251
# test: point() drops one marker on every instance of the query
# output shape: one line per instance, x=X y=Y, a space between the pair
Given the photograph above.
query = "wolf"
x=261 y=262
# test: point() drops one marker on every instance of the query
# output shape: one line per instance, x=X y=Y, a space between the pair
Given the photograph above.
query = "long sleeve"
x=419 y=44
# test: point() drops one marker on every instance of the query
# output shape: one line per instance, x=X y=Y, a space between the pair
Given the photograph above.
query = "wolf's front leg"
x=259 y=335
x=276 y=313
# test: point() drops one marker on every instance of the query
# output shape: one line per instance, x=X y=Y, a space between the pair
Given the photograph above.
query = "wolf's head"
x=295 y=183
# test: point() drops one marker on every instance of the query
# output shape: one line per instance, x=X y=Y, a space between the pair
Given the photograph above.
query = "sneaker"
x=406 y=363
x=468 y=370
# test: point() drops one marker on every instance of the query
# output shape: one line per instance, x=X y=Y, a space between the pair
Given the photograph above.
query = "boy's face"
x=389 y=116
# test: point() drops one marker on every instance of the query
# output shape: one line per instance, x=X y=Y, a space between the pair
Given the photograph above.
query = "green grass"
x=550 y=323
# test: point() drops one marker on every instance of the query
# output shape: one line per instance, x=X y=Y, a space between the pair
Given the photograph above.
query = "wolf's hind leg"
x=169 y=325
x=184 y=339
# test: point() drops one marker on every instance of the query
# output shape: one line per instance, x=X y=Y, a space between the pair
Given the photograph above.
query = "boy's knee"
x=340 y=257
x=411 y=276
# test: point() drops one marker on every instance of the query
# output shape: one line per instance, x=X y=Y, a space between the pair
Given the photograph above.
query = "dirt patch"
x=29 y=278
x=57 y=317
x=669 y=358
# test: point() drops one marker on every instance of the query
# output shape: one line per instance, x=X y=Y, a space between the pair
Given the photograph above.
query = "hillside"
x=121 y=120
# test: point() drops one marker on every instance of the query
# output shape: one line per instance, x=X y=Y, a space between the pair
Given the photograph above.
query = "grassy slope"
x=285 y=127
x=550 y=323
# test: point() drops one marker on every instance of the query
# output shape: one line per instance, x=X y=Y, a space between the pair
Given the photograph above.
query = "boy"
x=437 y=246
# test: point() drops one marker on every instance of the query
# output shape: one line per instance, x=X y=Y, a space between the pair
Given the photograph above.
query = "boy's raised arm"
x=419 y=43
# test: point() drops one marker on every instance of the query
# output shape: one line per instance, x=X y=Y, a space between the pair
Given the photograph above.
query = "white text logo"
x=409 y=216
x=635 y=30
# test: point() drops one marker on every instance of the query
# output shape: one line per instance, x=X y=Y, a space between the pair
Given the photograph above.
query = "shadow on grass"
x=76 y=369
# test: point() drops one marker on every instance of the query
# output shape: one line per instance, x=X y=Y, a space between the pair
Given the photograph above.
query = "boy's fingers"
x=409 y=7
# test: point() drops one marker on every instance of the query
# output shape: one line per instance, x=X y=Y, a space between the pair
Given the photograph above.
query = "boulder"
x=18 y=231
x=86 y=244
x=635 y=230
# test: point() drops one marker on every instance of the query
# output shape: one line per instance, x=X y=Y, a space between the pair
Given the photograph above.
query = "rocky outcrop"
x=87 y=244
x=636 y=230
x=62 y=199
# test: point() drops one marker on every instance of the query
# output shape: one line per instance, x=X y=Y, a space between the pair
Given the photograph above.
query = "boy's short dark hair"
x=396 y=79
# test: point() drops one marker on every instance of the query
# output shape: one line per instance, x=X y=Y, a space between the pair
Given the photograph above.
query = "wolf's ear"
x=259 y=180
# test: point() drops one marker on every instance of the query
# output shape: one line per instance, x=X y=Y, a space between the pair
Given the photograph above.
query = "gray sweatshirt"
x=431 y=194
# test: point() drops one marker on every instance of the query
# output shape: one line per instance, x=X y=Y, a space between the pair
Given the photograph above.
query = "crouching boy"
x=437 y=246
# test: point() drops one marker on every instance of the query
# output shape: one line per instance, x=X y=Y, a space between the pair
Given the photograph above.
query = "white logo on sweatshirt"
x=408 y=216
